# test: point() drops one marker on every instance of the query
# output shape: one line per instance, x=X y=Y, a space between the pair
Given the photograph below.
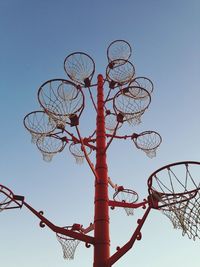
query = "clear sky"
x=36 y=36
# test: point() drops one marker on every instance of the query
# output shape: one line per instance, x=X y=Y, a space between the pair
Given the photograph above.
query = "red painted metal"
x=112 y=203
x=101 y=239
x=101 y=217
x=136 y=236
x=83 y=237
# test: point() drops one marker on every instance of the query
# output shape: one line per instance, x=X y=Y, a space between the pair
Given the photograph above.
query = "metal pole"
x=101 y=216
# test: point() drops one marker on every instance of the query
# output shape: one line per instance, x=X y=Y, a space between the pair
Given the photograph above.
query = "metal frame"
x=98 y=141
x=86 y=81
x=118 y=54
x=175 y=197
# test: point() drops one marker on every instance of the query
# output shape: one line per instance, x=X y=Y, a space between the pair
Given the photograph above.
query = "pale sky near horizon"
x=36 y=36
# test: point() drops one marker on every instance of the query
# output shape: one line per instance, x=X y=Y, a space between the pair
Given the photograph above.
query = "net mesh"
x=187 y=218
x=111 y=123
x=67 y=92
x=135 y=119
x=148 y=142
x=49 y=146
x=38 y=123
x=179 y=190
x=126 y=196
x=79 y=67
x=130 y=106
x=142 y=82
x=60 y=99
x=77 y=152
x=119 y=51
x=68 y=244
x=121 y=74
x=34 y=138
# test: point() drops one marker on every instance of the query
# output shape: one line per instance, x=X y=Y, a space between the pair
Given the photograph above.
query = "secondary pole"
x=101 y=216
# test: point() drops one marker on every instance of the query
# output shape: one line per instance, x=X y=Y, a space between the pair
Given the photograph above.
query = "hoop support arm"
x=60 y=230
x=13 y=199
x=136 y=235
x=114 y=186
x=119 y=136
x=72 y=136
x=112 y=136
x=92 y=99
x=86 y=142
x=127 y=205
x=19 y=198
x=88 y=229
x=86 y=156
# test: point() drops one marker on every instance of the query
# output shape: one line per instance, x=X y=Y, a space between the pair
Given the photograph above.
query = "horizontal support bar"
x=127 y=205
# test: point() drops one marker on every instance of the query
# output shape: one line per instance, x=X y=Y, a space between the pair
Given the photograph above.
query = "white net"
x=60 y=103
x=111 y=123
x=120 y=73
x=126 y=196
x=119 y=50
x=78 y=153
x=38 y=124
x=79 y=66
x=134 y=120
x=34 y=137
x=178 y=189
x=131 y=106
x=67 y=91
x=68 y=244
x=49 y=146
x=47 y=156
x=148 y=142
x=143 y=82
x=151 y=153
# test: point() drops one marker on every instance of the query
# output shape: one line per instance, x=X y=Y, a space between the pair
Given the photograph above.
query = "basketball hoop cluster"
x=62 y=102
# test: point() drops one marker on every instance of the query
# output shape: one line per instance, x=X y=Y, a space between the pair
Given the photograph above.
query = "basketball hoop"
x=38 y=124
x=136 y=91
x=60 y=99
x=120 y=73
x=111 y=122
x=8 y=200
x=78 y=153
x=80 y=68
x=126 y=196
x=131 y=106
x=119 y=51
x=142 y=82
x=68 y=244
x=135 y=119
x=178 y=194
x=5 y=197
x=148 y=142
x=49 y=146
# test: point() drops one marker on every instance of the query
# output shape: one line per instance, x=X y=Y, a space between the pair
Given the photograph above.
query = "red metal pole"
x=101 y=216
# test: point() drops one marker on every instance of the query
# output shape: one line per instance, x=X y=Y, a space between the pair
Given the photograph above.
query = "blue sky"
x=36 y=36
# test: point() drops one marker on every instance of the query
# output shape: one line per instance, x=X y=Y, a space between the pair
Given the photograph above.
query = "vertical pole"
x=101 y=216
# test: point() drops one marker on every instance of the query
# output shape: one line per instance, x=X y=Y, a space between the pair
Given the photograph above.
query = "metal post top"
x=100 y=77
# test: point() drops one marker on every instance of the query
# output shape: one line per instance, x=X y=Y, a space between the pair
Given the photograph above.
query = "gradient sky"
x=36 y=36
